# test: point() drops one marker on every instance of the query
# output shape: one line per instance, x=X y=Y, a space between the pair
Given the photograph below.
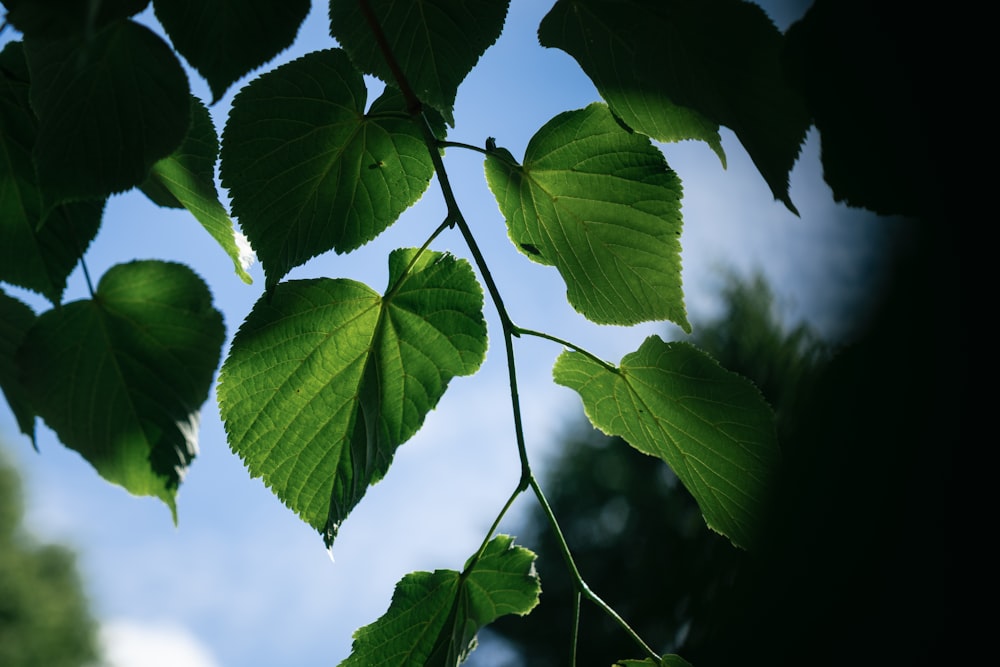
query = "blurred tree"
x=45 y=620
x=636 y=533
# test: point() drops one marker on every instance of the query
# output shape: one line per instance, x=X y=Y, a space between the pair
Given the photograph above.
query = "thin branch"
x=581 y=585
x=572 y=346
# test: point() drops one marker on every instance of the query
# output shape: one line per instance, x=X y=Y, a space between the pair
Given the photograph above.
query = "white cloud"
x=129 y=643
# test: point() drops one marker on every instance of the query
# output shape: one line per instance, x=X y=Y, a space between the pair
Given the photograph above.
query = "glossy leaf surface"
x=326 y=378
x=602 y=206
x=711 y=426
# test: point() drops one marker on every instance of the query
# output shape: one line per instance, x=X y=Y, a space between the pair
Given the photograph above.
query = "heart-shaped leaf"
x=35 y=253
x=435 y=42
x=309 y=171
x=121 y=377
x=434 y=616
x=602 y=206
x=326 y=378
x=109 y=107
x=711 y=426
x=226 y=39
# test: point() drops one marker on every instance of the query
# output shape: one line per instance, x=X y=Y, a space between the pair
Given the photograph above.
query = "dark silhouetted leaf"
x=677 y=69
x=108 y=109
x=435 y=42
x=226 y=39
x=15 y=320
x=296 y=152
x=36 y=257
x=61 y=19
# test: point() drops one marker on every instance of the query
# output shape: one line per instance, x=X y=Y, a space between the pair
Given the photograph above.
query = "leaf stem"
x=581 y=585
x=566 y=343
x=510 y=331
x=413 y=104
x=459 y=144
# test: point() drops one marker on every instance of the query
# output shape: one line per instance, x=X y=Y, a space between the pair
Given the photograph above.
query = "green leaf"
x=711 y=426
x=326 y=378
x=15 y=320
x=226 y=39
x=309 y=171
x=121 y=378
x=187 y=178
x=434 y=616
x=108 y=109
x=602 y=206
x=671 y=68
x=59 y=19
x=32 y=256
x=435 y=42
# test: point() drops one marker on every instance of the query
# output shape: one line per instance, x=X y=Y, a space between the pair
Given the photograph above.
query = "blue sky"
x=241 y=581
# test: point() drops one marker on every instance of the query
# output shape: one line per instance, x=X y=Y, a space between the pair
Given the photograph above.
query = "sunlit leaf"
x=434 y=616
x=121 y=378
x=108 y=108
x=15 y=320
x=671 y=68
x=187 y=179
x=435 y=42
x=711 y=426
x=326 y=378
x=309 y=170
x=33 y=255
x=602 y=206
x=226 y=39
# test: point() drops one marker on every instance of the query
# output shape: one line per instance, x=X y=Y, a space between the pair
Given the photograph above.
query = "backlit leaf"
x=326 y=378
x=121 y=377
x=226 y=39
x=435 y=42
x=676 y=69
x=108 y=109
x=434 y=616
x=309 y=171
x=602 y=206
x=711 y=426
x=187 y=178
